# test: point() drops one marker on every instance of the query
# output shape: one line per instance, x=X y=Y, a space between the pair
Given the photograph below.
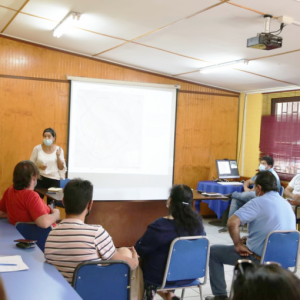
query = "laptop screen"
x=227 y=168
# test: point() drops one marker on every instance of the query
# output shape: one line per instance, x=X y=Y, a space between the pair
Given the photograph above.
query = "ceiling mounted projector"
x=266 y=40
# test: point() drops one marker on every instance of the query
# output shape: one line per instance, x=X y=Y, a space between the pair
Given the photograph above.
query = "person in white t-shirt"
x=292 y=191
x=50 y=160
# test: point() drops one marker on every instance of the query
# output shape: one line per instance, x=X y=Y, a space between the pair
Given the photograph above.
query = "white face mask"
x=262 y=167
x=47 y=142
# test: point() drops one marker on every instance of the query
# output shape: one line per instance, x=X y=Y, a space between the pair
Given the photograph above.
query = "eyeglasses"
x=239 y=271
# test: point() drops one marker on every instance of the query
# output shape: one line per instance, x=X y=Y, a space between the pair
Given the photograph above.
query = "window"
x=280 y=136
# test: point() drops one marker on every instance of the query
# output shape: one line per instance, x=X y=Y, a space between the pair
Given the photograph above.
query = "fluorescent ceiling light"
x=66 y=23
x=222 y=66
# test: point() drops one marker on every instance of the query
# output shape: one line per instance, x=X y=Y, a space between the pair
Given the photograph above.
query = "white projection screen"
x=121 y=138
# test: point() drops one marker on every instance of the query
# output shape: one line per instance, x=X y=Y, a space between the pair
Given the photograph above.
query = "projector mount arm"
x=268 y=24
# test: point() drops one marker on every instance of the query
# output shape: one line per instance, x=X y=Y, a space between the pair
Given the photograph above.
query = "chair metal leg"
x=200 y=289
x=182 y=294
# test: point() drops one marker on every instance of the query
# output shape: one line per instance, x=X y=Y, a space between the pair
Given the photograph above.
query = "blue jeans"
x=238 y=200
x=221 y=255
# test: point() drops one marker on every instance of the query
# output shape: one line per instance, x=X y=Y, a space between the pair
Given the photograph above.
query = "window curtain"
x=280 y=138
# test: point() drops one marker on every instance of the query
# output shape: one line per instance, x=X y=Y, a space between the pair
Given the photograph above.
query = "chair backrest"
x=281 y=191
x=63 y=182
x=31 y=231
x=187 y=259
x=102 y=280
x=282 y=246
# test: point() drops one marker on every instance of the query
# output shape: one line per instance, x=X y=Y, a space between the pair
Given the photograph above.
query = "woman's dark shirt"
x=153 y=247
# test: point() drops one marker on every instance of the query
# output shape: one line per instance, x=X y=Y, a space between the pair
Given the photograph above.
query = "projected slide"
x=118 y=131
x=109 y=132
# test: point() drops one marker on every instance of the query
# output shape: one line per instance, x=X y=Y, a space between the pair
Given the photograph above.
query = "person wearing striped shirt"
x=73 y=242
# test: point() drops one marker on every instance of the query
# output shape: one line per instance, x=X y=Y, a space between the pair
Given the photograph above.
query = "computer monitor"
x=227 y=168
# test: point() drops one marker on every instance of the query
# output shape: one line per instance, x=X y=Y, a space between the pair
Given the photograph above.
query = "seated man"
x=20 y=203
x=73 y=242
x=265 y=213
x=239 y=199
x=292 y=191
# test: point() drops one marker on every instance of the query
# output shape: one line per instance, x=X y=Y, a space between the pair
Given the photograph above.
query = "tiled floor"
x=215 y=238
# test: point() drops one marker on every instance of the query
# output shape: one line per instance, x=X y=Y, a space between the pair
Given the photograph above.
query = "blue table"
x=41 y=281
x=218 y=206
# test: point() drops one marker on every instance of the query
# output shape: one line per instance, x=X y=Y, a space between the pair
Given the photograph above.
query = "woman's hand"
x=42 y=167
x=58 y=152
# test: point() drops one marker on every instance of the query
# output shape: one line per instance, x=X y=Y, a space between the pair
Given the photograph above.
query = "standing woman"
x=50 y=160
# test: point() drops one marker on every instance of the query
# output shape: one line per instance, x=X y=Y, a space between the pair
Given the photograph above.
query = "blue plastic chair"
x=94 y=280
x=281 y=191
x=282 y=246
x=187 y=260
x=31 y=231
x=63 y=182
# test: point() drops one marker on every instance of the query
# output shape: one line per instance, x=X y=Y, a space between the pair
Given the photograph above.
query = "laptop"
x=227 y=169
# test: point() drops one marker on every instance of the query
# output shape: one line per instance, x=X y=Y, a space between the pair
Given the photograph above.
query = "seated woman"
x=264 y=282
x=153 y=246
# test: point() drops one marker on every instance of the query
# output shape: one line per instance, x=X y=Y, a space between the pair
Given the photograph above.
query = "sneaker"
x=223 y=229
x=216 y=297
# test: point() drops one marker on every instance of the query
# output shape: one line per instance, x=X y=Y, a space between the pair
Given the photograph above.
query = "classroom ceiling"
x=170 y=37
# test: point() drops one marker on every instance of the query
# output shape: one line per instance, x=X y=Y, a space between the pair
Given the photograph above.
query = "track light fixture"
x=217 y=67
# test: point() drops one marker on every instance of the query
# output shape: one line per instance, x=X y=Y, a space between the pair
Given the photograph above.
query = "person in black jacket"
x=153 y=246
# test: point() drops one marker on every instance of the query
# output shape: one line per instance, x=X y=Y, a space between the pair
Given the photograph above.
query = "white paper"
x=211 y=194
x=233 y=164
x=224 y=167
x=231 y=183
x=54 y=189
x=15 y=259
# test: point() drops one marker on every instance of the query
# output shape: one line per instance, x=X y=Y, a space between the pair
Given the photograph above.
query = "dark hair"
x=52 y=131
x=267 y=181
x=23 y=173
x=182 y=211
x=268 y=159
x=263 y=282
x=77 y=194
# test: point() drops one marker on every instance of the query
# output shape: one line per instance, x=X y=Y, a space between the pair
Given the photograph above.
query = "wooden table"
x=55 y=196
x=58 y=196
x=197 y=196
x=126 y=221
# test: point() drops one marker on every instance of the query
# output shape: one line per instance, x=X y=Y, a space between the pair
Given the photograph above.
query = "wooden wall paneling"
x=192 y=139
x=206 y=130
x=224 y=130
x=61 y=118
x=26 y=59
x=15 y=125
x=126 y=221
x=29 y=106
